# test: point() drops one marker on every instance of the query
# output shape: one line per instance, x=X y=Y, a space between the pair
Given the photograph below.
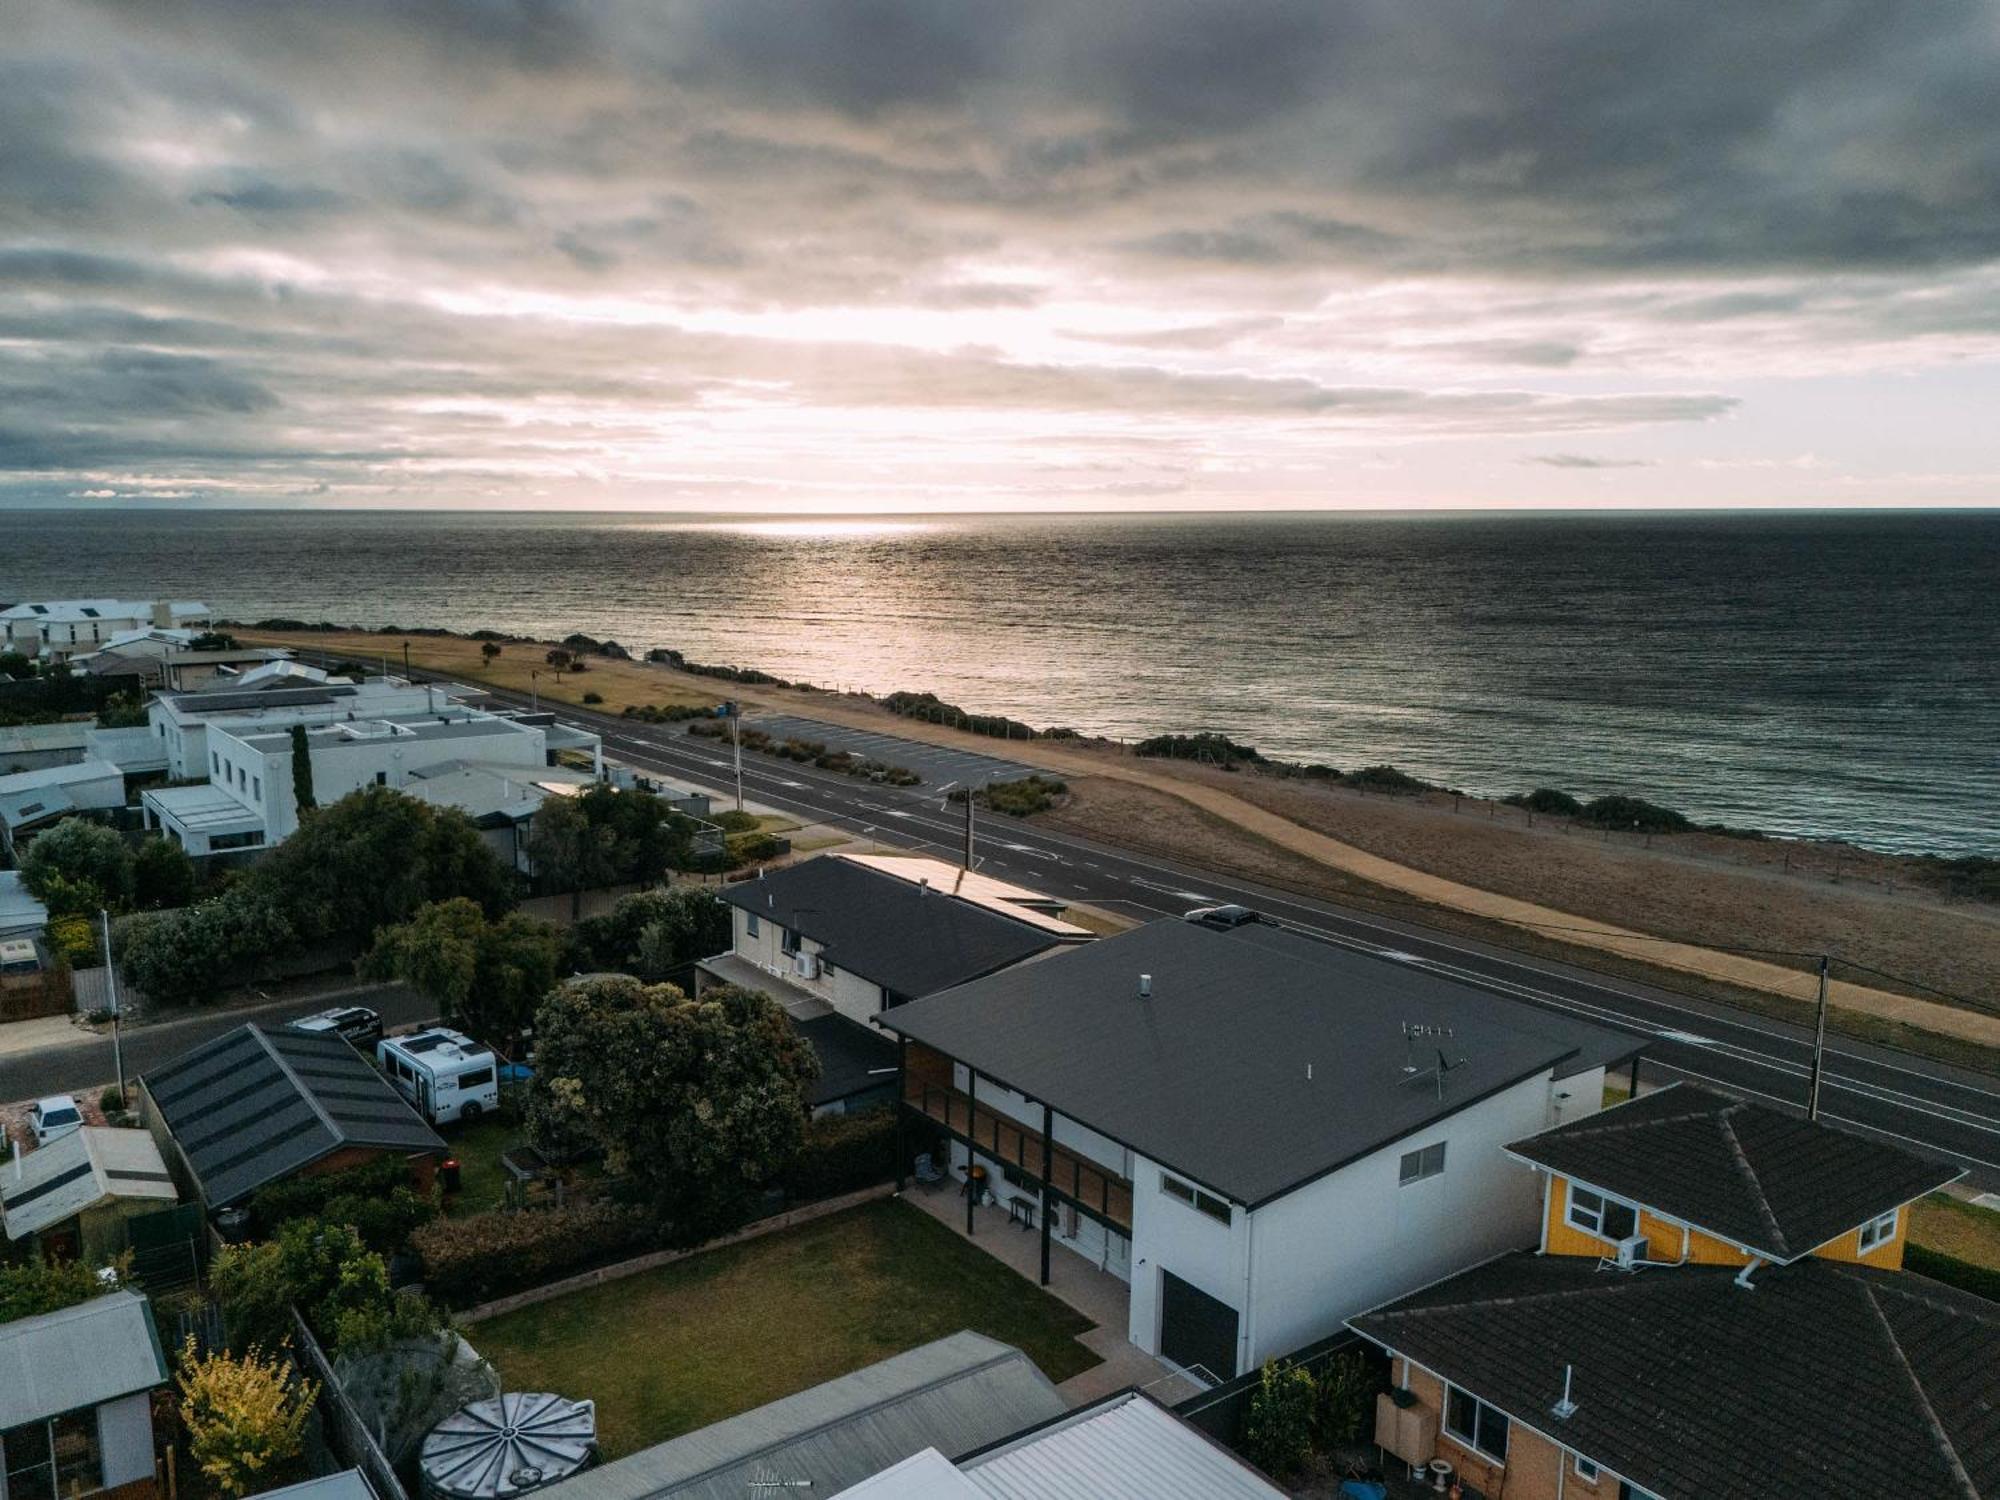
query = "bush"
x=483 y=1256
x=1386 y=779
x=1633 y=813
x=77 y=867
x=1026 y=797
x=1278 y=1429
x=1345 y=1398
x=245 y=1417
x=841 y=1154
x=162 y=874
x=42 y=1286
x=748 y=848
x=111 y=1101
x=593 y=698
x=307 y=1197
x=1206 y=746
x=1546 y=799
x=75 y=941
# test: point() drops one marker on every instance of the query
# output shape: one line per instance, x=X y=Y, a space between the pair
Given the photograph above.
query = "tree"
x=489 y=650
x=302 y=772
x=325 y=1269
x=185 y=955
x=162 y=874
x=1343 y=1401
x=245 y=1415
x=560 y=660
x=700 y=1101
x=78 y=867
x=651 y=934
x=122 y=711
x=38 y=1286
x=487 y=977
x=568 y=851
x=1277 y=1430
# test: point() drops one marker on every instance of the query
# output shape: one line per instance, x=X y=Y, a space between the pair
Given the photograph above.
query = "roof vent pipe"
x=1145 y=986
x=924 y=886
x=1565 y=1408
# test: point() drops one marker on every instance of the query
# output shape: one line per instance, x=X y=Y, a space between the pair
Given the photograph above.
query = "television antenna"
x=1433 y=1036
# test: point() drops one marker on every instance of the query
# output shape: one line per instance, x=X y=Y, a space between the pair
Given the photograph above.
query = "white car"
x=54 y=1117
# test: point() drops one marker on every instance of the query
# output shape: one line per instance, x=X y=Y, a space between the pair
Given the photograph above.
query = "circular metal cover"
x=509 y=1445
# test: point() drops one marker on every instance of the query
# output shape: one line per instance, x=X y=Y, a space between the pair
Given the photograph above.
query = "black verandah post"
x=902 y=1110
x=971 y=1135
x=1048 y=1203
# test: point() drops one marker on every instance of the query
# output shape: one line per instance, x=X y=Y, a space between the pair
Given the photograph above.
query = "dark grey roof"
x=1209 y=1075
x=1823 y=1379
x=1776 y=1184
x=888 y=931
x=852 y=1058
x=956 y=1394
x=253 y=1106
x=222 y=702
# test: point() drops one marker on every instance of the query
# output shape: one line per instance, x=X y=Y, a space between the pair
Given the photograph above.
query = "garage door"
x=1196 y=1331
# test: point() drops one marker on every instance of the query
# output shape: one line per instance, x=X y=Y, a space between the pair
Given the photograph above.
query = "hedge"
x=843 y=1153
x=376 y=1200
x=1981 y=1281
x=483 y=1256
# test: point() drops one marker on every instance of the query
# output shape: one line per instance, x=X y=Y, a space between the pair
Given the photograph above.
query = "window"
x=1607 y=1218
x=750 y=927
x=1879 y=1230
x=1475 y=1424
x=1427 y=1162
x=381 y=778
x=74 y=1439
x=257 y=787
x=1194 y=1197
x=788 y=940
x=45 y=1460
x=478 y=1078
x=1586 y=1468
x=214 y=764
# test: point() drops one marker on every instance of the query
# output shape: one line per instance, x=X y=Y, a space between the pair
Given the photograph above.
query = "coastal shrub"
x=1546 y=799
x=1972 y=877
x=841 y=1154
x=934 y=710
x=667 y=657
x=1633 y=813
x=593 y=698
x=747 y=848
x=482 y=1256
x=1218 y=749
x=1023 y=798
x=671 y=713
x=1385 y=779
x=309 y=1197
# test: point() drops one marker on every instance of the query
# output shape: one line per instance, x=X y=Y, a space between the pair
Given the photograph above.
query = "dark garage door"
x=1195 y=1329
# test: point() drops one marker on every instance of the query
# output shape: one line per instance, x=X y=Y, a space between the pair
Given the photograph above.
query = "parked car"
x=353 y=1023
x=54 y=1117
x=1223 y=917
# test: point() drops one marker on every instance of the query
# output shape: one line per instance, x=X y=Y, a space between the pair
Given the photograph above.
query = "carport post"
x=971 y=1135
x=1633 y=1091
x=1048 y=1204
x=902 y=1109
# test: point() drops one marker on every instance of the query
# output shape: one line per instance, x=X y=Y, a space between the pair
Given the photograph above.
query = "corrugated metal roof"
x=928 y=1475
x=64 y=1361
x=956 y=1394
x=348 y=1484
x=1125 y=1448
x=78 y=1171
x=254 y=1105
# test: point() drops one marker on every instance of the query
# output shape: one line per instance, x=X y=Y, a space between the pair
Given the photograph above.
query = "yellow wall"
x=1664 y=1238
x=1536 y=1469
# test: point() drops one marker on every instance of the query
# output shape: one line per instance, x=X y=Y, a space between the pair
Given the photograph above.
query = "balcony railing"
x=1104 y=1195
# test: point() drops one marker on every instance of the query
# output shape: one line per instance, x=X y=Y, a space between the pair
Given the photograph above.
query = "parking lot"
x=937 y=765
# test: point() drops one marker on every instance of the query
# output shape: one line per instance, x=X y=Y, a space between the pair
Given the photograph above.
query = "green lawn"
x=1954 y=1227
x=478 y=1146
x=674 y=1349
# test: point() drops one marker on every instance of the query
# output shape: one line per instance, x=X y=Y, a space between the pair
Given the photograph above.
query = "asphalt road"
x=1934 y=1107
x=85 y=1067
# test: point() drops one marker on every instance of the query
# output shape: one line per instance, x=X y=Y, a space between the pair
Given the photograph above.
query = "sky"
x=861 y=256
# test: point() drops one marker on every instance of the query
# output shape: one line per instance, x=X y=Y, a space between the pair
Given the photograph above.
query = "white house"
x=61 y=628
x=860 y=934
x=31 y=800
x=181 y=720
x=1260 y=1133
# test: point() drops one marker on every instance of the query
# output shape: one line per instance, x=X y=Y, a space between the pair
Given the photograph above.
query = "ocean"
x=1813 y=674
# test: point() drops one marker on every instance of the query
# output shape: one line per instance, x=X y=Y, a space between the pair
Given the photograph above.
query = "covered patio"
x=202 y=819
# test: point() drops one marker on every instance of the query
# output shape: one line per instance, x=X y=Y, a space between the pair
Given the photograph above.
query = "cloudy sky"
x=860 y=255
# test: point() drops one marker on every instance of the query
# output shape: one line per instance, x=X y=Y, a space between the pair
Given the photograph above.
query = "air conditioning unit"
x=806 y=965
x=1630 y=1251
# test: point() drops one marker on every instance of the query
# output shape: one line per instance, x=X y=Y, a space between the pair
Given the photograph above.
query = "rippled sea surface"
x=1803 y=673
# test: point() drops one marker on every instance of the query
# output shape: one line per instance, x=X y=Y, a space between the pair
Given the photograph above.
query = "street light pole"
x=534 y=691
x=111 y=984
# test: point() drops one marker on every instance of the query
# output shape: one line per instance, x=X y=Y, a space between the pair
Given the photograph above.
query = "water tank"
x=510 y=1445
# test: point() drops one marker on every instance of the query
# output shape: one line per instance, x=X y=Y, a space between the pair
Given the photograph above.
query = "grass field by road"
x=1954 y=1227
x=705 y=1338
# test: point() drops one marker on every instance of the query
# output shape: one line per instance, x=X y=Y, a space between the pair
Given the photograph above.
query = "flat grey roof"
x=955 y=1394
x=1210 y=1075
x=253 y=1106
x=75 y=1358
x=222 y=702
x=336 y=735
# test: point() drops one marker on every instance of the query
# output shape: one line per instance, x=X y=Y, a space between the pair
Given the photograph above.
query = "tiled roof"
x=1777 y=1184
x=1821 y=1378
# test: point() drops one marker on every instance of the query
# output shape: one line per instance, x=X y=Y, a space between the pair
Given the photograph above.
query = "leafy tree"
x=122 y=711
x=33 y=1287
x=245 y=1415
x=162 y=874
x=78 y=867
x=488 y=977
x=325 y=1269
x=560 y=659
x=1278 y=1428
x=13 y=664
x=302 y=772
x=373 y=858
x=699 y=1101
x=1343 y=1401
x=185 y=955
x=569 y=851
x=489 y=650
x=214 y=640
x=651 y=934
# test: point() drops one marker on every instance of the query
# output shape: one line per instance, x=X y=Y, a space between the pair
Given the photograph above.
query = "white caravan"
x=444 y=1073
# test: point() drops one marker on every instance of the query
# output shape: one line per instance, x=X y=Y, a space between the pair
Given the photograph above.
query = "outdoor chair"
x=928 y=1173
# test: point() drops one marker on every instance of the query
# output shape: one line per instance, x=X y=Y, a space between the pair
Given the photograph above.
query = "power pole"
x=111 y=983
x=1819 y=1042
x=736 y=741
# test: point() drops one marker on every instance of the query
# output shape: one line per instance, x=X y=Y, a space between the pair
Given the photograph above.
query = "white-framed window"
x=1427 y=1161
x=1600 y=1214
x=1586 y=1469
x=1472 y=1422
x=750 y=927
x=1194 y=1197
x=1879 y=1230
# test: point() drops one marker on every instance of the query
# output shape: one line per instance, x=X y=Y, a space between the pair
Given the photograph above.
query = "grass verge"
x=1953 y=1227
x=674 y=1349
